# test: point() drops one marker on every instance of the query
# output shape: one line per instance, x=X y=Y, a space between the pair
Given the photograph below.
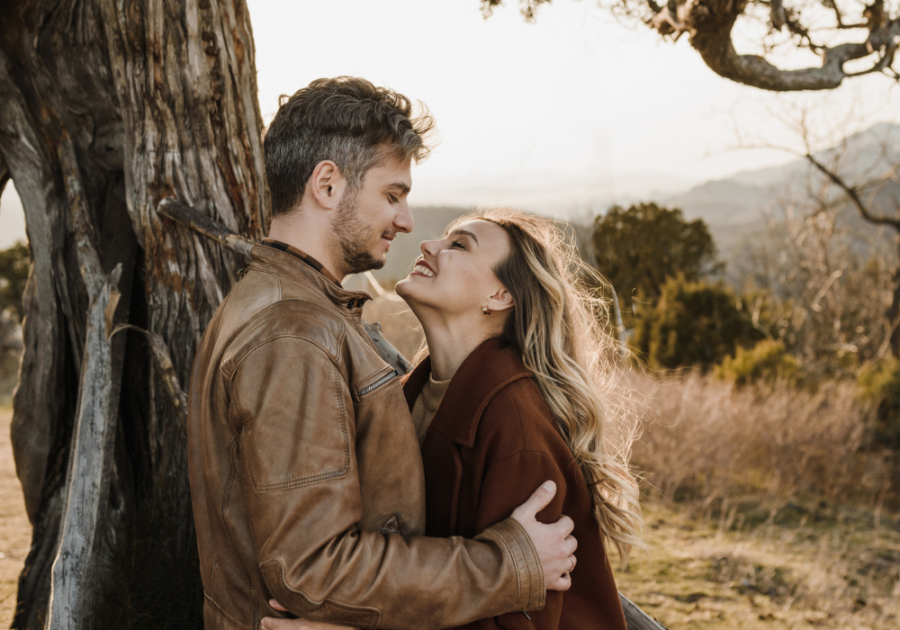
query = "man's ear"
x=500 y=301
x=327 y=184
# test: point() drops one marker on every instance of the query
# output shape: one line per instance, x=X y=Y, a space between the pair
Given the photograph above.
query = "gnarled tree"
x=839 y=32
x=105 y=108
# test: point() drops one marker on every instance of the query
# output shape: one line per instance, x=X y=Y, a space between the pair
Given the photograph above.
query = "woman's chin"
x=402 y=289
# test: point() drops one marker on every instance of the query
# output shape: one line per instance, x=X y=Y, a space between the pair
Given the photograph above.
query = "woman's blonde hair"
x=560 y=327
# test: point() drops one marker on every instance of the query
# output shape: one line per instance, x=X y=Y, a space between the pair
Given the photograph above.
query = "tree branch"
x=710 y=24
x=853 y=194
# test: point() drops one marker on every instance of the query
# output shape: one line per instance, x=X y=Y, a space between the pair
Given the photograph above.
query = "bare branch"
x=710 y=24
x=777 y=15
x=853 y=194
x=173 y=209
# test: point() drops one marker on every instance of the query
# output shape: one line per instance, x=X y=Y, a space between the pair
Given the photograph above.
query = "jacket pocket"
x=372 y=385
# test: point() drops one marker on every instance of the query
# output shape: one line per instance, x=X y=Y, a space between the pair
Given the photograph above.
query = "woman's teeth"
x=425 y=271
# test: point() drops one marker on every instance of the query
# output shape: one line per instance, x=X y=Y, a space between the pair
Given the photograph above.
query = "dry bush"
x=707 y=439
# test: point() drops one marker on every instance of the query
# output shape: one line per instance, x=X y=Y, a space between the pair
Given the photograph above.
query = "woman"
x=518 y=386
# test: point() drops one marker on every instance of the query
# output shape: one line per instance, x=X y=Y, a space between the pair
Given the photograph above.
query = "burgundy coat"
x=491 y=443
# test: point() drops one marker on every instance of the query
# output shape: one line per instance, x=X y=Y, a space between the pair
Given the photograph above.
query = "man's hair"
x=347 y=120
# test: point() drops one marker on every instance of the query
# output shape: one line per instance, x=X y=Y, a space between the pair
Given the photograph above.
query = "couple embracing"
x=330 y=491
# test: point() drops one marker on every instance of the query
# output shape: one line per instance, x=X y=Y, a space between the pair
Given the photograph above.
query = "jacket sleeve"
x=507 y=484
x=298 y=469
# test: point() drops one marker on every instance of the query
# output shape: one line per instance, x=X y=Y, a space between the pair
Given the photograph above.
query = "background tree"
x=105 y=108
x=640 y=248
x=838 y=32
x=693 y=324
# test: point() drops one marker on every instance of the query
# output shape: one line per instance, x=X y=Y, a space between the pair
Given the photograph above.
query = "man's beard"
x=352 y=237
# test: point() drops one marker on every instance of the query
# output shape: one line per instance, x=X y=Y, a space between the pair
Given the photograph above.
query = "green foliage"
x=879 y=384
x=767 y=361
x=14 y=264
x=638 y=249
x=693 y=324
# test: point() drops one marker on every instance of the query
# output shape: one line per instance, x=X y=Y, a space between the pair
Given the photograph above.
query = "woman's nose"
x=430 y=248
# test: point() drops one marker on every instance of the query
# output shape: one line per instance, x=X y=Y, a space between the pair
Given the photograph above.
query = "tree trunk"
x=105 y=108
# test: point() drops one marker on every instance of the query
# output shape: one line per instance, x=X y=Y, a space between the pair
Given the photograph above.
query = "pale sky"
x=574 y=108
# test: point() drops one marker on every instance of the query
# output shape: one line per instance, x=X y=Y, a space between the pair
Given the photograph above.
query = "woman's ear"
x=327 y=184
x=500 y=301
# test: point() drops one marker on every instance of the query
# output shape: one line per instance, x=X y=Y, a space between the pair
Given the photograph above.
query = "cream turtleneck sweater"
x=427 y=405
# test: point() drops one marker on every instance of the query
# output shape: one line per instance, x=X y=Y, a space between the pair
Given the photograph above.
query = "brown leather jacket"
x=306 y=477
x=491 y=441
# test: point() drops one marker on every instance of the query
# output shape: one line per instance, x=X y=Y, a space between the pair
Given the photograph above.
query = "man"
x=306 y=477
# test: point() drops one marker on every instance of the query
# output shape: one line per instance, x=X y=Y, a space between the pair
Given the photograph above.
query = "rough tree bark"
x=106 y=107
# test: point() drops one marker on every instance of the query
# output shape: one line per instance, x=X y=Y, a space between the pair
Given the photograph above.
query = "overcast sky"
x=574 y=98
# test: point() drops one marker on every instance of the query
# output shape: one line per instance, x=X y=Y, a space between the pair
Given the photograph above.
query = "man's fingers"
x=565 y=525
x=538 y=500
x=570 y=544
x=274 y=604
x=561 y=583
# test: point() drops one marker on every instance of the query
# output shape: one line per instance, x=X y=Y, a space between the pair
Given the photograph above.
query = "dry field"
x=15 y=530
x=768 y=564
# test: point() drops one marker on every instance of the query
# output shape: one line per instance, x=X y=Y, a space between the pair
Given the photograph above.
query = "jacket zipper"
x=384 y=379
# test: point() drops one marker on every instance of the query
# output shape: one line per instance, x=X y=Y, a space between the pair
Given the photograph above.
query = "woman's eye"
x=457 y=244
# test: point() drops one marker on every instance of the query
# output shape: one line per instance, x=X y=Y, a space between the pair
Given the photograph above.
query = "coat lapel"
x=487 y=370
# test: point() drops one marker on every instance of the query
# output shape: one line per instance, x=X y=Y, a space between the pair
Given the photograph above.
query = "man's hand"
x=273 y=623
x=553 y=542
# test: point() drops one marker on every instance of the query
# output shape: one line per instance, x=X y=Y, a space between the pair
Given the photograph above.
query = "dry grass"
x=15 y=530
x=766 y=508
x=781 y=565
x=708 y=440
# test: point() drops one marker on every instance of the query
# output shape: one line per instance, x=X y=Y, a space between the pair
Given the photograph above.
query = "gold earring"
x=484 y=309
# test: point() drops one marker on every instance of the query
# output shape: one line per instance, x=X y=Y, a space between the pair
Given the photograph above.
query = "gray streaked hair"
x=347 y=120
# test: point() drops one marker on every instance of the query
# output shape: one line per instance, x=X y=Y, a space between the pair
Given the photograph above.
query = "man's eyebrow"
x=465 y=233
x=401 y=185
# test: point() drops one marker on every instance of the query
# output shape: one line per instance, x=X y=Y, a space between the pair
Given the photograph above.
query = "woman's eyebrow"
x=465 y=233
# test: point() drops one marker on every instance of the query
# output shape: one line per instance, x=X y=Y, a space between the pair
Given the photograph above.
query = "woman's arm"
x=504 y=484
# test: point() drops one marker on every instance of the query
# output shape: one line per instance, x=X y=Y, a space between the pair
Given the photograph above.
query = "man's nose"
x=403 y=220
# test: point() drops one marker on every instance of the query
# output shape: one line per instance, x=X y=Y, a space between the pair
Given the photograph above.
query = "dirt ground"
x=15 y=530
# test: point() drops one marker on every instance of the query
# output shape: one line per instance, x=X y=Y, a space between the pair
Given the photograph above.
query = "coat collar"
x=291 y=266
x=486 y=371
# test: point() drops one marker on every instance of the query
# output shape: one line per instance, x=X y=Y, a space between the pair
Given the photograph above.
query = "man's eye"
x=393 y=198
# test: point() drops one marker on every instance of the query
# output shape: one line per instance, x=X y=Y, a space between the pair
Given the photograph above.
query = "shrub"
x=693 y=324
x=879 y=385
x=767 y=361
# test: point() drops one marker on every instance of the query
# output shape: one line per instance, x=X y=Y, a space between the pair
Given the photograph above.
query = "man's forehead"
x=392 y=171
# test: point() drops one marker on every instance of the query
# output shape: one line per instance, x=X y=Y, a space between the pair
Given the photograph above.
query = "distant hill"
x=735 y=206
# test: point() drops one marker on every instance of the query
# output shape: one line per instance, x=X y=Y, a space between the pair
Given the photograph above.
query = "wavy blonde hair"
x=560 y=328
